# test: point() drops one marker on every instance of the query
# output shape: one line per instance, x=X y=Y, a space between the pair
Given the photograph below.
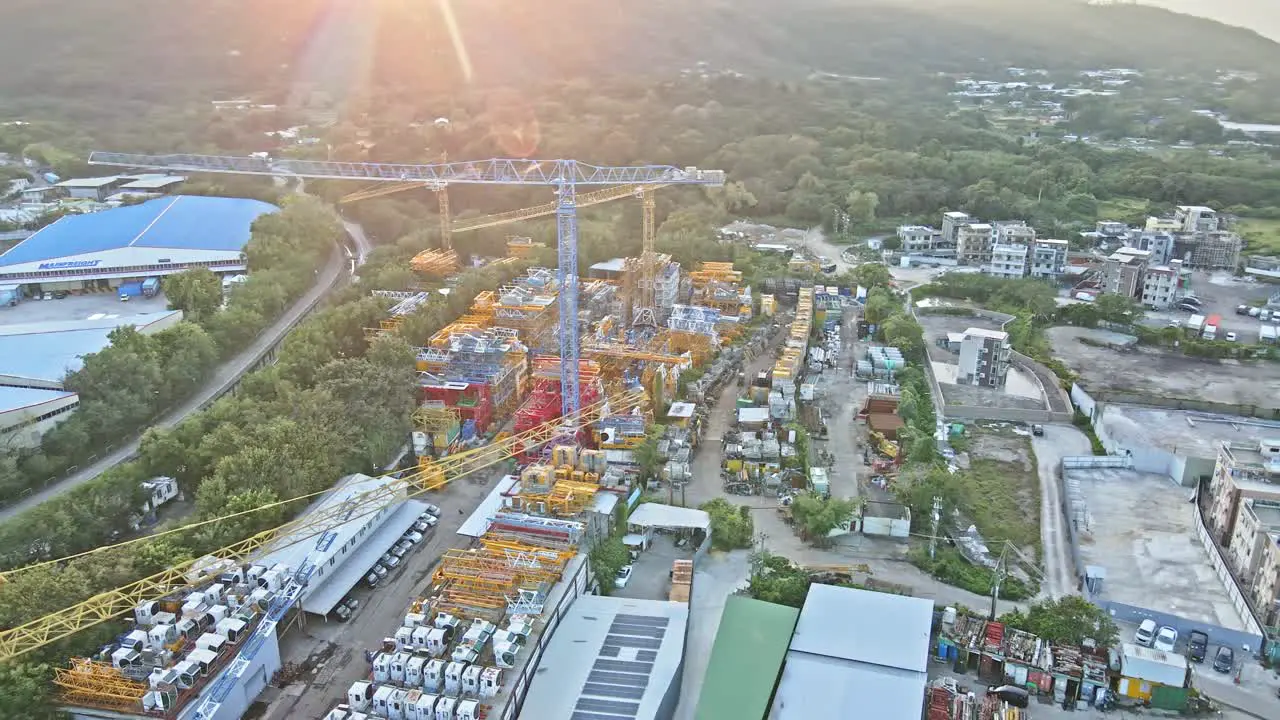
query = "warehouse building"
x=159 y=237
x=746 y=659
x=26 y=414
x=611 y=657
x=856 y=653
x=379 y=517
x=39 y=355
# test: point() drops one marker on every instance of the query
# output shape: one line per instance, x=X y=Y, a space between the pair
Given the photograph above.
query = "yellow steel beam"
x=113 y=603
x=547 y=209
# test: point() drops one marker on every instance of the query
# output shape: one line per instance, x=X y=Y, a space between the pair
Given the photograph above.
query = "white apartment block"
x=984 y=357
x=1159 y=244
x=1048 y=258
x=1244 y=516
x=973 y=244
x=1013 y=232
x=1196 y=219
x=951 y=224
x=1160 y=285
x=1123 y=272
x=919 y=238
x=1008 y=261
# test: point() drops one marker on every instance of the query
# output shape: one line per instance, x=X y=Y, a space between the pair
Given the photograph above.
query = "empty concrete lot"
x=1153 y=372
x=1141 y=528
x=79 y=307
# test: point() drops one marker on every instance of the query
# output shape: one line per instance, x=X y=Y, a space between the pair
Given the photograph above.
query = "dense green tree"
x=1068 y=620
x=731 y=525
x=818 y=515
x=197 y=293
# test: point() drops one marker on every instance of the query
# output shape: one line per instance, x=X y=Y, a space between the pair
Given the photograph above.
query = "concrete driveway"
x=1059 y=441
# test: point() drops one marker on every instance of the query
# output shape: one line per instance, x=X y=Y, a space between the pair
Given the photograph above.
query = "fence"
x=1093 y=462
x=1022 y=415
x=520 y=688
x=1259 y=411
x=1238 y=600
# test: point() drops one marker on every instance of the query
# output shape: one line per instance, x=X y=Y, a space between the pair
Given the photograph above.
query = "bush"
x=607 y=558
x=731 y=525
x=950 y=567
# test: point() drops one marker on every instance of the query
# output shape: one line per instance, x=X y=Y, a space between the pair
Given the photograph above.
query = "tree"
x=197 y=293
x=862 y=206
x=731 y=528
x=1118 y=309
x=880 y=305
x=775 y=579
x=607 y=558
x=819 y=515
x=27 y=691
x=1067 y=620
x=872 y=275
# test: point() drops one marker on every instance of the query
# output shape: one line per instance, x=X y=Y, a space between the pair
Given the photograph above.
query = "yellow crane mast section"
x=113 y=603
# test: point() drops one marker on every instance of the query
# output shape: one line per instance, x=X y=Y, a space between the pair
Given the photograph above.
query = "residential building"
x=1196 y=219
x=1160 y=285
x=973 y=244
x=919 y=238
x=1257 y=521
x=1048 y=258
x=1123 y=272
x=1008 y=261
x=1013 y=232
x=1244 y=471
x=1159 y=224
x=984 y=357
x=951 y=224
x=1112 y=229
x=1264 y=589
x=1159 y=244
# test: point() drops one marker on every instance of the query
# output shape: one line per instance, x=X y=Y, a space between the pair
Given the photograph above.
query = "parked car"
x=1166 y=639
x=422 y=527
x=345 y=609
x=401 y=548
x=1224 y=659
x=1037 y=430
x=413 y=537
x=60 y=294
x=1197 y=645
x=1231 y=337
x=624 y=574
x=391 y=560
x=1242 y=309
x=372 y=579
x=47 y=296
x=1146 y=633
x=432 y=510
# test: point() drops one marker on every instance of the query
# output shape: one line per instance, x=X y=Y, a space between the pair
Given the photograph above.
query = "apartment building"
x=1243 y=471
x=1110 y=229
x=1123 y=272
x=1196 y=219
x=1160 y=285
x=1048 y=258
x=1008 y=261
x=921 y=239
x=1257 y=522
x=1013 y=232
x=951 y=224
x=984 y=357
x=973 y=244
x=1159 y=244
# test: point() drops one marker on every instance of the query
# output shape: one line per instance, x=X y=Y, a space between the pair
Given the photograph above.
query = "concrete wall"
x=1267 y=412
x=1178 y=468
x=1251 y=621
x=1218 y=635
x=969 y=412
x=1050 y=388
x=886 y=527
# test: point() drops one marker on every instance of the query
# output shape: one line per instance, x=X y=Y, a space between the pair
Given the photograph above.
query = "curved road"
x=222 y=380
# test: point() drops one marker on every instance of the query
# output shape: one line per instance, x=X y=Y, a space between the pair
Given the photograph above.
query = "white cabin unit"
x=418 y=638
x=453 y=677
x=404 y=638
x=382 y=700
x=465 y=652
x=360 y=695
x=490 y=682
x=504 y=654
x=396 y=704
x=433 y=676
x=437 y=641
x=382 y=668
x=445 y=707
x=212 y=642
x=471 y=681
x=413 y=620
x=413 y=671
x=424 y=708
x=467 y=710
x=398 y=663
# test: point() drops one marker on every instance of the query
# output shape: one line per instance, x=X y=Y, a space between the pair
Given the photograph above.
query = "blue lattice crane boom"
x=563 y=175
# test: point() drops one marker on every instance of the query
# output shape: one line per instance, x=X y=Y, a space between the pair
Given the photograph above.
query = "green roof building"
x=746 y=659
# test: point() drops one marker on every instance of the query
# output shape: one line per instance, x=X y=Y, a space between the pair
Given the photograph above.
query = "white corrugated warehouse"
x=26 y=414
x=611 y=657
x=856 y=653
x=39 y=355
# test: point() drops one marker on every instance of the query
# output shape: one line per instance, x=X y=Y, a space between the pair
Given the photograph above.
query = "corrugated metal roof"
x=609 y=657
x=746 y=659
x=1153 y=665
x=46 y=352
x=327 y=590
x=15 y=398
x=823 y=687
x=865 y=626
x=181 y=222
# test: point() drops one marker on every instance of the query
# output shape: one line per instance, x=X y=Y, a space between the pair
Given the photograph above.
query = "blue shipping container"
x=132 y=289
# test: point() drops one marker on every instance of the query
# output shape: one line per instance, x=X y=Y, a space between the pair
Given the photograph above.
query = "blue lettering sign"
x=69 y=264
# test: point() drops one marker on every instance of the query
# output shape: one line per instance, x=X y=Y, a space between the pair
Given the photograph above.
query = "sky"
x=1261 y=16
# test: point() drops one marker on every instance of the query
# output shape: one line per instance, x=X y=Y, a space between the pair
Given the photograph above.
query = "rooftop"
x=181 y=222
x=613 y=265
x=154 y=183
x=1185 y=433
x=1268 y=514
x=1049 y=241
x=48 y=351
x=985 y=333
x=609 y=656
x=16 y=398
x=1259 y=453
x=681 y=410
x=746 y=659
x=866 y=627
x=668 y=516
x=93 y=182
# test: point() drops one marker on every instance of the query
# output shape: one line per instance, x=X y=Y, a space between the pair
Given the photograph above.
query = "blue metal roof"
x=16 y=398
x=181 y=222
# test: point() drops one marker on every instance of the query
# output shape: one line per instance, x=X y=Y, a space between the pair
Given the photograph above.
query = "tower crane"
x=441 y=190
x=563 y=175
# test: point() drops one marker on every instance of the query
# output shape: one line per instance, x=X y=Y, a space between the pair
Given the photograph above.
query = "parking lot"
x=650 y=573
x=1221 y=294
x=79 y=307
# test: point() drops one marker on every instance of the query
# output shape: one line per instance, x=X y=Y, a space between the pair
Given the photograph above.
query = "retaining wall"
x=1022 y=415
x=1258 y=411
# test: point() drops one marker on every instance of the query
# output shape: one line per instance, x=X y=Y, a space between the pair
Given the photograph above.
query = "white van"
x=1146 y=633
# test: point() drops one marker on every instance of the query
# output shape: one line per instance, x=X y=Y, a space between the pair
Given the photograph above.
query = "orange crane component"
x=435 y=263
x=96 y=684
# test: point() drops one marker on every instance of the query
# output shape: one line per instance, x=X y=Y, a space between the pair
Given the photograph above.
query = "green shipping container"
x=1164 y=697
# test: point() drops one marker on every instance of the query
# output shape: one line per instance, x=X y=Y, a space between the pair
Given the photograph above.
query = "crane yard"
x=541 y=394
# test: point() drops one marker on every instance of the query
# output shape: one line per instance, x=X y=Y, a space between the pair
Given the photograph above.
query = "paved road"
x=1059 y=441
x=225 y=377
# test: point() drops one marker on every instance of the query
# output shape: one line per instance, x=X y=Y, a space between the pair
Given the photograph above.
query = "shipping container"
x=1195 y=323
x=1267 y=335
x=150 y=287
x=130 y=289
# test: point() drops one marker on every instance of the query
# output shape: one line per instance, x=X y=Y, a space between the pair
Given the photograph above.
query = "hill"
x=80 y=54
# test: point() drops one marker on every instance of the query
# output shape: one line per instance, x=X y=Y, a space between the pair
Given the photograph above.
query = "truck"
x=130 y=290
x=1195 y=324
x=150 y=287
x=1211 y=327
x=1267 y=335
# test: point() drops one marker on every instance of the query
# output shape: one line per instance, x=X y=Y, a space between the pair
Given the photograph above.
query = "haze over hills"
x=1261 y=16
x=85 y=53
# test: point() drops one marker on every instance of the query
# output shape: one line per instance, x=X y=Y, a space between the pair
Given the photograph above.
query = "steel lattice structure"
x=563 y=175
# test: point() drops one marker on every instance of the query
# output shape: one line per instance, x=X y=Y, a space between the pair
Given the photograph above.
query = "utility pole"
x=937 y=517
x=1002 y=570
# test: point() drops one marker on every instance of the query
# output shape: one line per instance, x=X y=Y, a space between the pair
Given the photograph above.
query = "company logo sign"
x=69 y=264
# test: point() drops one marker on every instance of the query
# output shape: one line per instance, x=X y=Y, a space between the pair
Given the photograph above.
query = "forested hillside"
x=60 y=54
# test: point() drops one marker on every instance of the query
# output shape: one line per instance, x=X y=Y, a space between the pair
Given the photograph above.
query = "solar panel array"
x=620 y=675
